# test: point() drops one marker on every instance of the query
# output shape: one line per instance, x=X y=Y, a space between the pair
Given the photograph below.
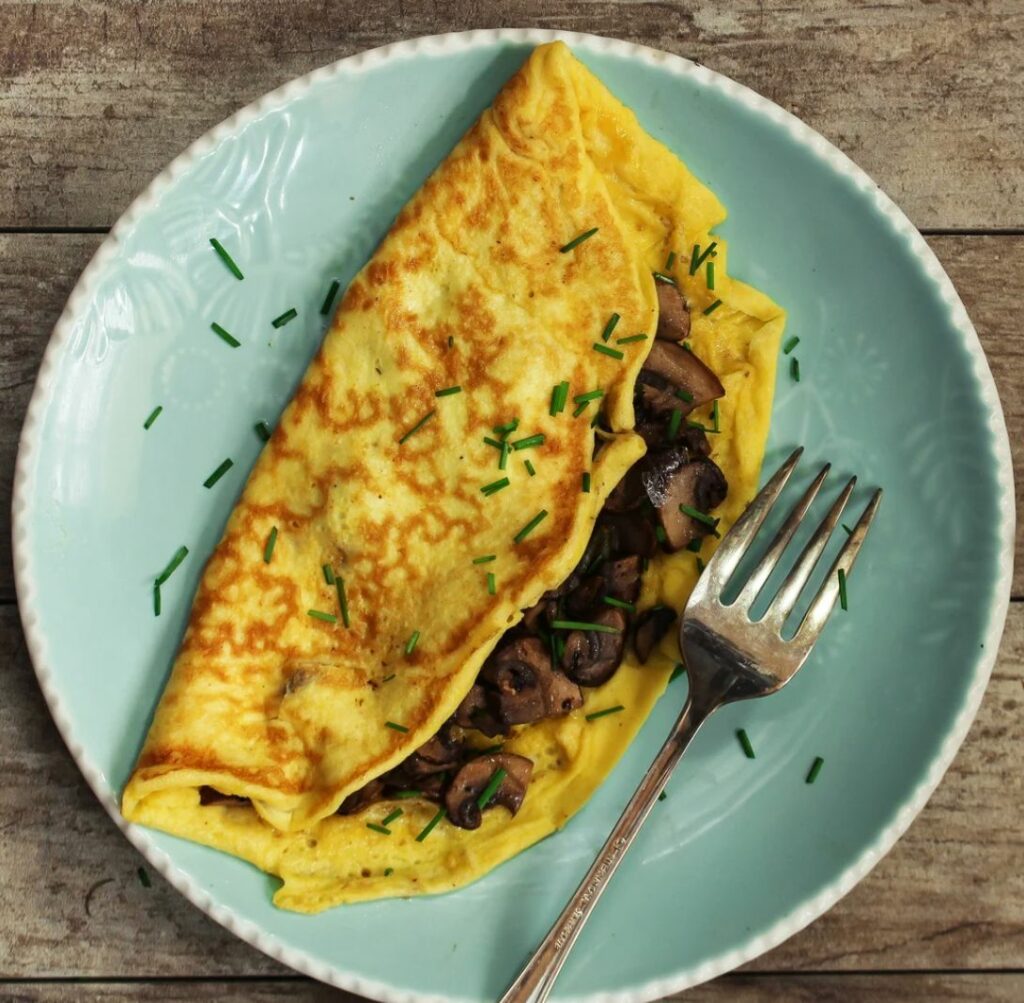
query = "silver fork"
x=728 y=657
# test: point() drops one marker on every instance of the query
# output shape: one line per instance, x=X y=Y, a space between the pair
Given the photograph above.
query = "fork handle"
x=539 y=974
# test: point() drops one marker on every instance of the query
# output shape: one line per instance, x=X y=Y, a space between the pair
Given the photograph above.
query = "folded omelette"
x=443 y=604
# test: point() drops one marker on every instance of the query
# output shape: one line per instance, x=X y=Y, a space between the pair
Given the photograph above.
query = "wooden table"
x=96 y=97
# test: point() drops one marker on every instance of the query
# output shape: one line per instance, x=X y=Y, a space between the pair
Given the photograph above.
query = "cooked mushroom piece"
x=670 y=369
x=475 y=712
x=362 y=798
x=628 y=494
x=651 y=626
x=622 y=578
x=471 y=781
x=591 y=657
x=673 y=316
x=629 y=535
x=440 y=753
x=672 y=481
x=584 y=596
x=513 y=670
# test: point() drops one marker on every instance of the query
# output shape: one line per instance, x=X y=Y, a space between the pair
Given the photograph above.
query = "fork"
x=728 y=657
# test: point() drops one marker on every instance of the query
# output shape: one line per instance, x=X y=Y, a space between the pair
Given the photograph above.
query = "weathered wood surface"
x=950 y=896
x=95 y=97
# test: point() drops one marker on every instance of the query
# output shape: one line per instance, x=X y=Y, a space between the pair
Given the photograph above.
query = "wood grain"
x=96 y=97
x=950 y=895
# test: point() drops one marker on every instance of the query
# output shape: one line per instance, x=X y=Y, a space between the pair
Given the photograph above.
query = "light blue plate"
x=300 y=187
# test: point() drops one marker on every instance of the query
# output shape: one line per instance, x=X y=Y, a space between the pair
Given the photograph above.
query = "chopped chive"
x=815 y=769
x=842 y=589
x=224 y=335
x=559 y=395
x=670 y=262
x=662 y=796
x=684 y=395
x=715 y=418
x=695 y=544
x=744 y=739
x=709 y=271
x=288 y=315
x=529 y=442
x=412 y=431
x=697 y=259
x=486 y=559
x=495 y=486
x=659 y=532
x=179 y=555
x=406 y=795
x=492 y=584
x=849 y=532
x=703 y=428
x=262 y=430
x=451 y=341
x=503 y=459
x=388 y=871
x=531 y=526
x=529 y=468
x=430 y=826
x=612 y=353
x=605 y=712
x=329 y=298
x=144 y=878
x=488 y=441
x=328 y=574
x=218 y=473
x=794 y=369
x=580 y=408
x=391 y=816
x=226 y=258
x=662 y=277
x=586 y=482
x=678 y=671
x=317 y=614
x=387 y=679
x=700 y=565
x=410 y=647
x=396 y=727
x=153 y=415
x=268 y=547
x=488 y=750
x=339 y=588
x=508 y=427
x=492 y=788
x=622 y=604
x=631 y=339
x=448 y=391
x=156 y=599
x=708 y=310
x=590 y=395
x=693 y=513
x=576 y=241
x=610 y=326
x=791 y=343
x=673 y=424
x=600 y=628
x=378 y=828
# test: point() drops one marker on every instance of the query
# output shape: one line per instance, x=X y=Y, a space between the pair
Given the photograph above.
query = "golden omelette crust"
x=474 y=256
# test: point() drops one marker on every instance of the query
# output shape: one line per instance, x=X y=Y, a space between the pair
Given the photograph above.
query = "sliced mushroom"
x=475 y=712
x=651 y=626
x=672 y=481
x=629 y=534
x=212 y=796
x=591 y=657
x=513 y=671
x=471 y=781
x=673 y=316
x=670 y=369
x=442 y=752
x=585 y=596
x=561 y=694
x=628 y=494
x=622 y=578
x=536 y=617
x=362 y=798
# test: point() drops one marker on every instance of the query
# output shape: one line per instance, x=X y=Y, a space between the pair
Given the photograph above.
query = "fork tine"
x=770 y=560
x=783 y=603
x=821 y=608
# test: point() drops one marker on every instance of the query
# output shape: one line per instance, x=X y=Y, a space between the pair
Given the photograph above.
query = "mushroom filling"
x=538 y=669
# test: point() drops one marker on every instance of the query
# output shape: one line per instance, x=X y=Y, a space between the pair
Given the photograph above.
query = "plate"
x=894 y=386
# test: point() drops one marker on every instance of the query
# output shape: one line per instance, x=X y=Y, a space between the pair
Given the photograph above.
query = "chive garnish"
x=492 y=584
x=144 y=878
x=156 y=599
x=503 y=459
x=586 y=482
x=610 y=326
x=744 y=739
x=495 y=486
x=226 y=258
x=631 y=339
x=695 y=545
x=218 y=473
x=576 y=241
x=622 y=604
x=693 y=513
x=387 y=679
x=529 y=468
x=794 y=369
x=508 y=427
x=703 y=428
x=662 y=277
x=262 y=430
x=339 y=588
x=378 y=828
x=612 y=353
x=580 y=408
x=488 y=441
x=529 y=442
x=684 y=395
x=486 y=559
x=410 y=647
x=590 y=395
x=268 y=547
x=697 y=259
x=405 y=795
x=849 y=532
x=708 y=310
x=395 y=727
x=659 y=532
x=451 y=341
x=317 y=614
x=224 y=335
x=328 y=574
x=709 y=271
x=289 y=314
x=842 y=589
x=670 y=262
x=388 y=871
x=153 y=415
x=815 y=769
x=412 y=431
x=600 y=628
x=448 y=391
x=391 y=816
x=678 y=671
x=559 y=395
x=673 y=424
x=791 y=343
x=329 y=298
x=662 y=796
x=700 y=566
x=531 y=526
x=605 y=712
x=492 y=788
x=430 y=826
x=179 y=555
x=715 y=427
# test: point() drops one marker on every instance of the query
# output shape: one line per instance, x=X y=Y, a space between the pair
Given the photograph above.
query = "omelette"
x=446 y=599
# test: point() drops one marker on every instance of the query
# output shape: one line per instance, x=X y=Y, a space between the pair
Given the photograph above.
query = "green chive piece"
x=179 y=555
x=486 y=559
x=339 y=588
x=410 y=647
x=391 y=816
x=488 y=441
x=448 y=391
x=610 y=326
x=791 y=343
x=586 y=482
x=662 y=277
x=715 y=418
x=378 y=828
x=396 y=727
x=559 y=395
x=794 y=369
x=531 y=526
x=576 y=241
x=495 y=486
x=430 y=826
x=815 y=769
x=600 y=628
x=662 y=796
x=328 y=573
x=153 y=415
x=529 y=468
x=329 y=298
x=703 y=428
x=697 y=259
x=226 y=258
x=580 y=408
x=700 y=566
x=268 y=547
x=744 y=739
x=388 y=871
x=412 y=431
x=709 y=271
x=590 y=395
x=605 y=712
x=842 y=589
x=678 y=671
x=289 y=314
x=492 y=788
x=695 y=545
x=406 y=795
x=317 y=614
x=849 y=532
x=659 y=532
x=708 y=310
x=224 y=335
x=218 y=473
x=631 y=339
x=156 y=599
x=492 y=584
x=693 y=513
x=685 y=395
x=144 y=878
x=503 y=459
x=529 y=442
x=387 y=679
x=670 y=262
x=262 y=430
x=612 y=353
x=451 y=341
x=620 y=603
x=673 y=424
